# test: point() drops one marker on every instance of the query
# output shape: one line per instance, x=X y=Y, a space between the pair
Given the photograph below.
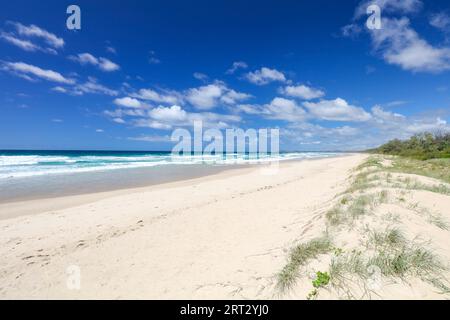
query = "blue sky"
x=137 y=70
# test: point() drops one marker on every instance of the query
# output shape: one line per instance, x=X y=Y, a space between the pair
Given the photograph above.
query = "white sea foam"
x=20 y=166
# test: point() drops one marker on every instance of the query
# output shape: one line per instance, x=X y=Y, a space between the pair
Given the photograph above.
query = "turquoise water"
x=22 y=164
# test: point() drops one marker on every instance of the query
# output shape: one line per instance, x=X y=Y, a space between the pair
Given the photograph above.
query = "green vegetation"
x=422 y=146
x=394 y=256
x=298 y=257
x=384 y=253
x=434 y=168
x=322 y=279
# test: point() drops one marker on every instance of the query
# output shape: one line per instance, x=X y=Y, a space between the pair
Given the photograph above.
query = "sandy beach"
x=223 y=236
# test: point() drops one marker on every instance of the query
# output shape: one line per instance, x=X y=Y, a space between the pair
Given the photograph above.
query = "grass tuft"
x=298 y=257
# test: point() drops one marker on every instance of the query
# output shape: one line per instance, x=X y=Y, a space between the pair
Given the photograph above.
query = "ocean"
x=22 y=164
x=26 y=175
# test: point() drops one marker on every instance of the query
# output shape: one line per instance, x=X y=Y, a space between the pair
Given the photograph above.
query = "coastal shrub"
x=422 y=146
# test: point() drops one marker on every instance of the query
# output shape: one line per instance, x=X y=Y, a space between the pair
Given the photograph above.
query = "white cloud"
x=165 y=118
x=103 y=64
x=336 y=110
x=205 y=97
x=390 y=6
x=237 y=65
x=118 y=120
x=31 y=72
x=152 y=59
x=99 y=130
x=400 y=45
x=200 y=76
x=171 y=114
x=382 y=116
x=278 y=109
x=127 y=102
x=59 y=89
x=210 y=96
x=284 y=109
x=35 y=31
x=232 y=97
x=302 y=91
x=111 y=49
x=151 y=138
x=24 y=44
x=92 y=86
x=440 y=20
x=265 y=76
x=351 y=30
x=167 y=96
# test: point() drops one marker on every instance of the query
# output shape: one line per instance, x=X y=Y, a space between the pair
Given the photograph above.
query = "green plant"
x=322 y=279
x=298 y=257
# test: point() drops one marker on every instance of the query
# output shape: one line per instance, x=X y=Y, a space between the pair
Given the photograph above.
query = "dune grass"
x=388 y=250
x=298 y=257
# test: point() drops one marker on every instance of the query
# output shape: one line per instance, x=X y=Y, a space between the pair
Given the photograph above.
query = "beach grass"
x=298 y=257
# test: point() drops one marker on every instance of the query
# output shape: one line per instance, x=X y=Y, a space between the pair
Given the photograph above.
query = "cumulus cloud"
x=210 y=96
x=127 y=102
x=401 y=45
x=205 y=97
x=31 y=72
x=278 y=109
x=166 y=118
x=165 y=96
x=336 y=110
x=398 y=43
x=265 y=76
x=103 y=64
x=237 y=65
x=302 y=91
x=284 y=109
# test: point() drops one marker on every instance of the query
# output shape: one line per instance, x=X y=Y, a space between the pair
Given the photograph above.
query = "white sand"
x=222 y=236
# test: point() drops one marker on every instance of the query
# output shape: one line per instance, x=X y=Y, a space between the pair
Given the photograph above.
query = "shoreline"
x=239 y=234
x=42 y=201
x=220 y=236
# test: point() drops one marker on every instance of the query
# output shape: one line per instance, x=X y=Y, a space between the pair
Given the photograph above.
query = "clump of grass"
x=433 y=218
x=438 y=221
x=348 y=264
x=389 y=238
x=392 y=217
x=345 y=200
x=416 y=185
x=394 y=256
x=362 y=182
x=360 y=205
x=335 y=216
x=407 y=260
x=298 y=257
x=370 y=162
